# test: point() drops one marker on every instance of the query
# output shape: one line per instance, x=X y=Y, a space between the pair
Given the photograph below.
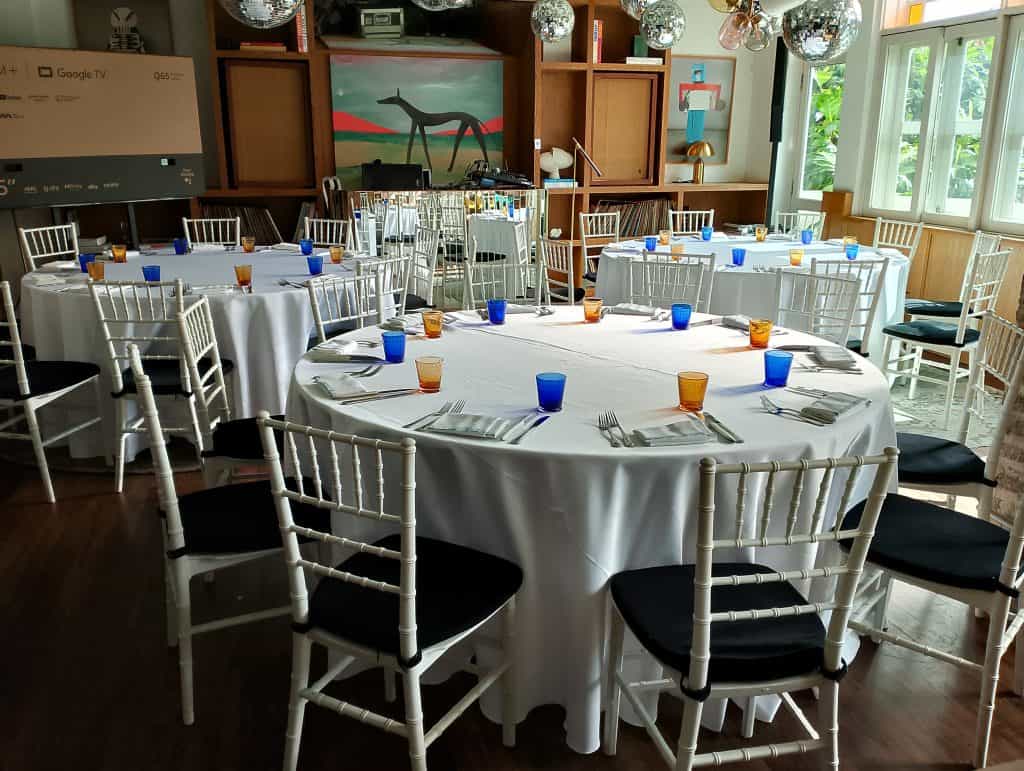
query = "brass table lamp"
x=698 y=151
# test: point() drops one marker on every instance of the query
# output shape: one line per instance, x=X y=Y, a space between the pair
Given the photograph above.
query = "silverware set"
x=367 y=371
x=723 y=432
x=608 y=424
x=293 y=284
x=448 y=408
x=788 y=412
x=817 y=368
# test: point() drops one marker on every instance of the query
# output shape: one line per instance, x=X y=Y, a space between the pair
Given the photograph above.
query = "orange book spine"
x=598 y=39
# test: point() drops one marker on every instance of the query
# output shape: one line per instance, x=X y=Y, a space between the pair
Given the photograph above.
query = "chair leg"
x=119 y=445
x=881 y=610
x=915 y=373
x=1018 y=664
x=197 y=435
x=688 y=734
x=954 y=369
x=830 y=692
x=749 y=717
x=172 y=613
x=887 y=359
x=37 y=445
x=182 y=602
x=414 y=719
x=390 y=693
x=611 y=710
x=301 y=648
x=509 y=702
x=990 y=680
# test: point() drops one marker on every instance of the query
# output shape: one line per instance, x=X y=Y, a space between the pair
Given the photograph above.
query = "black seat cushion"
x=934 y=543
x=854 y=345
x=240 y=518
x=165 y=375
x=931 y=460
x=932 y=308
x=241 y=439
x=935 y=332
x=28 y=352
x=44 y=377
x=456 y=588
x=590 y=276
x=657 y=605
x=414 y=302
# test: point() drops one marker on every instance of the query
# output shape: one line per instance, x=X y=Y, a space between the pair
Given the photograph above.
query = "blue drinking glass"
x=151 y=272
x=651 y=243
x=550 y=391
x=511 y=210
x=316 y=264
x=806 y=236
x=496 y=310
x=180 y=246
x=84 y=260
x=681 y=313
x=776 y=368
x=394 y=346
x=739 y=254
x=706 y=233
x=852 y=250
x=306 y=245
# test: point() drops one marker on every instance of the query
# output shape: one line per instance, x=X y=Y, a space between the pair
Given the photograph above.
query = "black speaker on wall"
x=775 y=127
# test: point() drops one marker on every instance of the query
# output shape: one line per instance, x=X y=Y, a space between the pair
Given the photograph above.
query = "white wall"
x=41 y=23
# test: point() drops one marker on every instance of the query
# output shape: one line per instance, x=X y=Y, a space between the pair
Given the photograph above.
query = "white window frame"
x=1008 y=125
x=801 y=198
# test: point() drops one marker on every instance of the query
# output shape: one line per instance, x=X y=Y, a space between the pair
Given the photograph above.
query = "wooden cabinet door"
x=625 y=114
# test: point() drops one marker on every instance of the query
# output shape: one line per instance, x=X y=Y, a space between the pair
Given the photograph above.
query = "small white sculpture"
x=553 y=160
x=125 y=35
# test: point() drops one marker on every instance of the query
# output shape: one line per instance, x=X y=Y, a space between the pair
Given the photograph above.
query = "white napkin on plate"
x=402 y=323
x=57 y=265
x=285 y=246
x=336 y=352
x=691 y=430
x=832 y=407
x=474 y=426
x=214 y=289
x=339 y=385
x=833 y=356
x=46 y=280
x=208 y=248
x=632 y=309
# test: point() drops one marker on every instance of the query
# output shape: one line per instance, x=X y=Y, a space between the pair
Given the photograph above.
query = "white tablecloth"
x=742 y=290
x=263 y=333
x=399 y=221
x=564 y=505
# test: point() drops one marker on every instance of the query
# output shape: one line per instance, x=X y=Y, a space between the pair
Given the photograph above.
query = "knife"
x=376 y=395
x=721 y=429
x=530 y=428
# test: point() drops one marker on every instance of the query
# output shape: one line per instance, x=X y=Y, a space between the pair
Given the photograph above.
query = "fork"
x=604 y=425
x=829 y=370
x=367 y=372
x=615 y=424
x=775 y=409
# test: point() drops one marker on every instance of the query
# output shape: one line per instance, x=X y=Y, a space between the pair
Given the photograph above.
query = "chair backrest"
x=140 y=313
x=423 y=263
x=427 y=211
x=1003 y=501
x=792 y=222
x=816 y=304
x=995 y=363
x=394 y=277
x=985 y=243
x=486 y=280
x=690 y=221
x=10 y=337
x=811 y=485
x=659 y=280
x=452 y=216
x=870 y=277
x=597 y=230
x=198 y=342
x=42 y=245
x=556 y=256
x=225 y=231
x=388 y=495
x=896 y=234
x=325 y=232
x=339 y=300
x=981 y=288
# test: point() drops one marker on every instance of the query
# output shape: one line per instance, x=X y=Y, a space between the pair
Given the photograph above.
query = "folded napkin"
x=41 y=279
x=339 y=385
x=208 y=248
x=403 y=323
x=285 y=246
x=214 y=289
x=633 y=309
x=332 y=355
x=782 y=237
x=830 y=408
x=833 y=356
x=475 y=426
x=689 y=431
x=736 y=321
x=56 y=265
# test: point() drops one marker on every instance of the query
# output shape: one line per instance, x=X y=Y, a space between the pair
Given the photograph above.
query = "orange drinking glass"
x=248 y=244
x=692 y=387
x=664 y=236
x=336 y=254
x=97 y=270
x=243 y=274
x=677 y=251
x=119 y=252
x=592 y=309
x=433 y=322
x=428 y=370
x=760 y=331
x=847 y=240
x=761 y=232
x=796 y=256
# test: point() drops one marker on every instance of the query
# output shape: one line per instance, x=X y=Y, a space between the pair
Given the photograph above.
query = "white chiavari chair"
x=984 y=243
x=940 y=465
x=400 y=602
x=206 y=531
x=26 y=386
x=690 y=221
x=324 y=232
x=817 y=304
x=213 y=231
x=556 y=257
x=749 y=630
x=870 y=277
x=659 y=280
x=597 y=230
x=341 y=304
x=394 y=276
x=793 y=222
x=913 y=338
x=42 y=245
x=487 y=279
x=144 y=313
x=452 y=216
x=896 y=234
x=427 y=211
x=973 y=560
x=419 y=290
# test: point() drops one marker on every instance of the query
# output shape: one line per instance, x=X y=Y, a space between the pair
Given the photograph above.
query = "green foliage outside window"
x=823 y=126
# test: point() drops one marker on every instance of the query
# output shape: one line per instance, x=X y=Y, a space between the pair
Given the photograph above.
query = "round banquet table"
x=567 y=507
x=263 y=333
x=751 y=292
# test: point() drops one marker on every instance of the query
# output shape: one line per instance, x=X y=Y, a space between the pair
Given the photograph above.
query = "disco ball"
x=552 y=20
x=662 y=24
x=636 y=8
x=821 y=31
x=262 y=14
x=442 y=5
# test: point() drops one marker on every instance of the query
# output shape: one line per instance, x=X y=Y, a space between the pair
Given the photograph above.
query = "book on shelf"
x=308 y=209
x=643 y=60
x=637 y=218
x=598 y=40
x=301 y=31
x=559 y=182
x=254 y=221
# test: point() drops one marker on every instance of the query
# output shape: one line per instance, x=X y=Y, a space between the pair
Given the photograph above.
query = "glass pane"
x=917 y=78
x=935 y=10
x=826 y=101
x=1009 y=189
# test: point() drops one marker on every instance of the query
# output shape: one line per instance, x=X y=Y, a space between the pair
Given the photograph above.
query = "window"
x=906 y=13
x=824 y=87
x=1008 y=199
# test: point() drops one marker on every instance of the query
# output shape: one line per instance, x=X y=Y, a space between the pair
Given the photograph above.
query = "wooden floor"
x=88 y=682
